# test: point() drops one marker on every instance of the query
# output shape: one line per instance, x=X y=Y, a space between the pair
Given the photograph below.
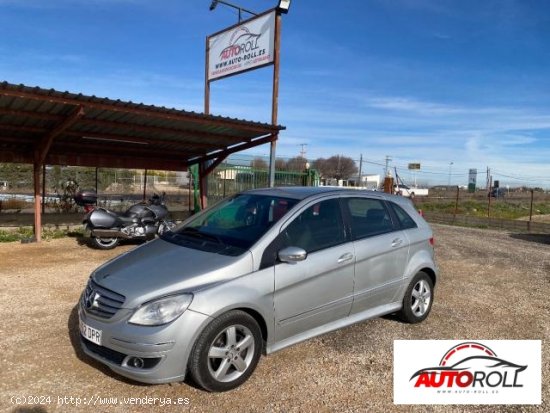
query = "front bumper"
x=164 y=349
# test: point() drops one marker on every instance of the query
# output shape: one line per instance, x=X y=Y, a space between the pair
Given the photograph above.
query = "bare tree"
x=296 y=164
x=259 y=163
x=337 y=167
x=280 y=164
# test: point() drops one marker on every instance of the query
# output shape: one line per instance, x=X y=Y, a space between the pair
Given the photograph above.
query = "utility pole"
x=360 y=170
x=303 y=150
x=388 y=160
x=450 y=173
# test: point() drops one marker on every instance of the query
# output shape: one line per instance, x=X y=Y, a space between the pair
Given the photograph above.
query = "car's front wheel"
x=227 y=352
x=418 y=299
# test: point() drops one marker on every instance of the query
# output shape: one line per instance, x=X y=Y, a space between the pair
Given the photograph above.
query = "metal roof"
x=64 y=128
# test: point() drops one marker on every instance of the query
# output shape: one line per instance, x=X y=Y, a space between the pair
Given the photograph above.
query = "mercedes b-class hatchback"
x=253 y=274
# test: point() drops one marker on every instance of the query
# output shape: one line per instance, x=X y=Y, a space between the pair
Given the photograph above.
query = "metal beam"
x=236 y=148
x=44 y=146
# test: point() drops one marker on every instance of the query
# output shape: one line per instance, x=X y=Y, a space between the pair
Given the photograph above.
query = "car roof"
x=303 y=192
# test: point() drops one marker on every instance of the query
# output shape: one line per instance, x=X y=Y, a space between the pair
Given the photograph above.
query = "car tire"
x=104 y=243
x=226 y=352
x=418 y=299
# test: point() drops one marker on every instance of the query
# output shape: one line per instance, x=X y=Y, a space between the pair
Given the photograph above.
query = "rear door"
x=381 y=249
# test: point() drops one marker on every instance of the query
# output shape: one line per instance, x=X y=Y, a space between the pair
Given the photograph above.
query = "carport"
x=48 y=127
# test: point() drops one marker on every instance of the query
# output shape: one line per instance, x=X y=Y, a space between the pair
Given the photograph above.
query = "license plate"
x=90 y=333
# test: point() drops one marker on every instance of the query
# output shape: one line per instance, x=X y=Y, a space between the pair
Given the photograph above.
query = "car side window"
x=318 y=227
x=404 y=219
x=368 y=217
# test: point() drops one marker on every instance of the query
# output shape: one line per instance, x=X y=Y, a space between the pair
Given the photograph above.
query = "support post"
x=530 y=212
x=37 y=200
x=43 y=188
x=275 y=98
x=203 y=185
x=456 y=203
x=489 y=197
x=144 y=185
x=206 y=81
x=360 y=171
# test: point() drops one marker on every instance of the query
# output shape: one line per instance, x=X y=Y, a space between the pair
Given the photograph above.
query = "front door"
x=318 y=290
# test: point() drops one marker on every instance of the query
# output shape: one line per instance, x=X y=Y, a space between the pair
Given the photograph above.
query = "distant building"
x=182 y=178
x=371 y=182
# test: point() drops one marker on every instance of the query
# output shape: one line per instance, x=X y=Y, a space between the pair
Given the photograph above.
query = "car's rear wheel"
x=418 y=299
x=227 y=352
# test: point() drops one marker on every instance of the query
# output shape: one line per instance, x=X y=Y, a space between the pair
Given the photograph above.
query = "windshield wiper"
x=196 y=233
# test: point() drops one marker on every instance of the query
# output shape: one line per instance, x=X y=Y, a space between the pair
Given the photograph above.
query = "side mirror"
x=292 y=254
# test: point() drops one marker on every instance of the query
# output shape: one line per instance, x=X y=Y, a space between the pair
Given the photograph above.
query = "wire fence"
x=516 y=211
x=229 y=179
x=513 y=210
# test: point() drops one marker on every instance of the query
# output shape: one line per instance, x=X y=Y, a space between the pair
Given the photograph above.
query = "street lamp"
x=283 y=6
x=450 y=172
x=214 y=4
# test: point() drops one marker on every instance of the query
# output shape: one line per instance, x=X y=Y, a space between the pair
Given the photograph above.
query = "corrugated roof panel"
x=34 y=113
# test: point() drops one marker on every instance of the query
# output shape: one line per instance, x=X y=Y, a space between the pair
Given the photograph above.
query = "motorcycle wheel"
x=104 y=243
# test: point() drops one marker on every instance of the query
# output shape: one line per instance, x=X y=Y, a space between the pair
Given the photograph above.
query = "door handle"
x=346 y=257
x=396 y=242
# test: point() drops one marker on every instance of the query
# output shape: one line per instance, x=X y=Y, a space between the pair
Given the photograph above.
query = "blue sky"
x=429 y=81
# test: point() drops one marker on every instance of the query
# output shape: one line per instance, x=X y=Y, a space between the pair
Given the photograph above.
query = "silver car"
x=254 y=274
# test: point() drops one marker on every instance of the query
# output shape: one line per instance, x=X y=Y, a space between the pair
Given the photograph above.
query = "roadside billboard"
x=245 y=46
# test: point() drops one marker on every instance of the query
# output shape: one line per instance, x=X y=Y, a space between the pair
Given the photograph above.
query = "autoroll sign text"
x=242 y=47
x=467 y=372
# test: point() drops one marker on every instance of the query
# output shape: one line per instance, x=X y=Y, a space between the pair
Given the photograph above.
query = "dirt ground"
x=494 y=285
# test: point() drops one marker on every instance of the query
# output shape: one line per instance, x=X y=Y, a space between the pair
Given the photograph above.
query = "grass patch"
x=23 y=233
x=500 y=208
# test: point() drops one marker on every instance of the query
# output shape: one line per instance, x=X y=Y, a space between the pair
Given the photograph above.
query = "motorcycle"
x=105 y=228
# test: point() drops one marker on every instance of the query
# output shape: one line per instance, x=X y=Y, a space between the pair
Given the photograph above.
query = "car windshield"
x=232 y=226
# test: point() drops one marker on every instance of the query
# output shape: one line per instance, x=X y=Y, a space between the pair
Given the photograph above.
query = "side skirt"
x=335 y=325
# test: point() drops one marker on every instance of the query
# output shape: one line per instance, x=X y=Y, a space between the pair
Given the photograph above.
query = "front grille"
x=100 y=301
x=106 y=353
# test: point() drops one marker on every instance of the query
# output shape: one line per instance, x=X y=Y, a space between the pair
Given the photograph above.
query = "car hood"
x=161 y=268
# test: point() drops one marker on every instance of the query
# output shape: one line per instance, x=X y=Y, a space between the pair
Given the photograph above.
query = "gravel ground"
x=494 y=285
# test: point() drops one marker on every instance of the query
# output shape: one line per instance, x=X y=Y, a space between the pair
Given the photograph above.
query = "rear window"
x=368 y=217
x=405 y=220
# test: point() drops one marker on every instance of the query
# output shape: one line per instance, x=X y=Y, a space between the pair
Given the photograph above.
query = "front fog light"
x=161 y=311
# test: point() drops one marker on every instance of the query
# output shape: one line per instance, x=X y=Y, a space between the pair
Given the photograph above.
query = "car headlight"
x=161 y=311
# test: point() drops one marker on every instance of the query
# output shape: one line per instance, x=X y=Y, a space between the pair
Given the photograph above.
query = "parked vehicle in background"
x=409 y=192
x=497 y=192
x=105 y=228
x=255 y=273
